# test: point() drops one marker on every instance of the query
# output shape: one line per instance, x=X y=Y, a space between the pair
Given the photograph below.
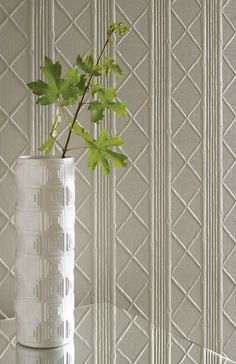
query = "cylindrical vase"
x=45 y=217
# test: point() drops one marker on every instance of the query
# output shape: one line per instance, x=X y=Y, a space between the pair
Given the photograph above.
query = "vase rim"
x=40 y=157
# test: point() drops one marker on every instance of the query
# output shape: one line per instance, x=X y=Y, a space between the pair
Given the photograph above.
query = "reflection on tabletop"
x=63 y=354
x=106 y=334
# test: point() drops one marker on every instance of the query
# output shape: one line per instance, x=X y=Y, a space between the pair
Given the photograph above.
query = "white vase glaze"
x=45 y=217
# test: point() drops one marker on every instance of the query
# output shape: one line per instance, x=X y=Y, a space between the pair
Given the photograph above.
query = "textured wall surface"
x=229 y=176
x=159 y=237
x=14 y=131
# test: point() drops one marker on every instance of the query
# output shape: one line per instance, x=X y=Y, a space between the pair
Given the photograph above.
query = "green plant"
x=76 y=86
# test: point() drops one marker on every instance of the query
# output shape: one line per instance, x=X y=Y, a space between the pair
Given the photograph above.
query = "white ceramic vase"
x=45 y=217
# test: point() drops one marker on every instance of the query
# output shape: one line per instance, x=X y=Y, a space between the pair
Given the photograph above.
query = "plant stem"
x=83 y=96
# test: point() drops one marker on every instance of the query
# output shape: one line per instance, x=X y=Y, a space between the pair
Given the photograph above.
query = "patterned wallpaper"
x=186 y=171
x=73 y=33
x=157 y=238
x=14 y=131
x=132 y=184
x=229 y=160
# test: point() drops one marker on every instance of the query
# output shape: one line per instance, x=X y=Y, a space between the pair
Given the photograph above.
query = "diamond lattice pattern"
x=186 y=168
x=132 y=186
x=132 y=183
x=72 y=23
x=13 y=134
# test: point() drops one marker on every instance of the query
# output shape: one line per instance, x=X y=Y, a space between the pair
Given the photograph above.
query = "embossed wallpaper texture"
x=159 y=237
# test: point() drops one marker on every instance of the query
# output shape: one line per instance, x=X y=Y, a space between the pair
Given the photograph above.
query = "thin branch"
x=83 y=96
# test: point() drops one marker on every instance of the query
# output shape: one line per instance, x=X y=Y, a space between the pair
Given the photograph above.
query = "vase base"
x=43 y=345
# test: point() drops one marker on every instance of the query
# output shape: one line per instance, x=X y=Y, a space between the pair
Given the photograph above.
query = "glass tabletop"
x=106 y=334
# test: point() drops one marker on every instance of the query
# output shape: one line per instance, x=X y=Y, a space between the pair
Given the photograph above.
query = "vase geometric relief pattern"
x=45 y=216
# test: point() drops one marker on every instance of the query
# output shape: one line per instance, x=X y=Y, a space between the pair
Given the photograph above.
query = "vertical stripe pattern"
x=160 y=179
x=212 y=242
x=104 y=214
x=41 y=45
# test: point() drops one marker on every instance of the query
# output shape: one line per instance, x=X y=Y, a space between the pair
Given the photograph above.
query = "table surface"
x=106 y=334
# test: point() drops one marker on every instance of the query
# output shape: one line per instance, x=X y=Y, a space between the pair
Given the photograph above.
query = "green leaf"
x=103 y=137
x=79 y=62
x=70 y=81
x=50 y=96
x=96 y=157
x=117 y=70
x=107 y=95
x=99 y=153
x=47 y=146
x=38 y=87
x=103 y=163
x=92 y=159
x=69 y=87
x=105 y=101
x=109 y=66
x=119 y=28
x=55 y=124
x=82 y=84
x=52 y=71
x=97 y=108
x=50 y=91
x=103 y=94
x=116 y=141
x=123 y=29
x=89 y=59
x=79 y=130
x=87 y=65
x=96 y=88
x=118 y=107
x=118 y=160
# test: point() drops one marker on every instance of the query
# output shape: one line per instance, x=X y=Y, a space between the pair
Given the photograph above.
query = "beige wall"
x=159 y=237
